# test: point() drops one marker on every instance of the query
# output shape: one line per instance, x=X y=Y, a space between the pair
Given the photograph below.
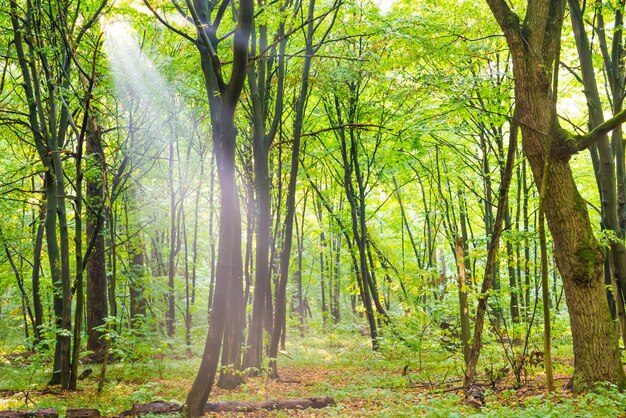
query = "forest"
x=312 y=208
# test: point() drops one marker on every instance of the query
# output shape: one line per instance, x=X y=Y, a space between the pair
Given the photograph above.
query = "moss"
x=588 y=258
x=579 y=202
x=511 y=20
x=565 y=144
x=578 y=383
x=588 y=255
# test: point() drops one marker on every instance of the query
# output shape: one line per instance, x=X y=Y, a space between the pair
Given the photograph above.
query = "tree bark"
x=463 y=304
x=606 y=177
x=280 y=308
x=534 y=46
x=222 y=107
x=492 y=254
x=97 y=309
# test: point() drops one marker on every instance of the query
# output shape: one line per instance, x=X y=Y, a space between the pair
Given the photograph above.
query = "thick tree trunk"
x=578 y=254
x=605 y=174
x=213 y=237
x=535 y=46
x=222 y=107
x=97 y=309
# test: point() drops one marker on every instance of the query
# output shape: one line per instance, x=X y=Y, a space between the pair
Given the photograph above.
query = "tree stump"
x=474 y=396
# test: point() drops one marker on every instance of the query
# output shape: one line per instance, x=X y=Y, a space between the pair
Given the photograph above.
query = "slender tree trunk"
x=262 y=140
x=194 y=245
x=547 y=347
x=20 y=284
x=171 y=270
x=298 y=273
x=92 y=129
x=112 y=279
x=37 y=305
x=136 y=248
x=323 y=264
x=336 y=288
x=280 y=309
x=513 y=289
x=187 y=283
x=463 y=304
x=364 y=279
x=491 y=257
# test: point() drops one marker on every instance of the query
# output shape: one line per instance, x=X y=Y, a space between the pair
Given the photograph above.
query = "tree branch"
x=507 y=20
x=167 y=25
x=206 y=42
x=585 y=141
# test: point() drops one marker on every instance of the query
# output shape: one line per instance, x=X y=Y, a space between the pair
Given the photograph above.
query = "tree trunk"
x=463 y=305
x=223 y=100
x=78 y=248
x=494 y=243
x=37 y=305
x=280 y=309
x=97 y=309
x=535 y=46
x=170 y=316
x=606 y=168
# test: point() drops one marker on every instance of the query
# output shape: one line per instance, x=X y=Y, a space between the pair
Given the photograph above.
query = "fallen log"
x=82 y=413
x=236 y=406
x=157 y=407
x=161 y=407
x=39 y=413
x=14 y=414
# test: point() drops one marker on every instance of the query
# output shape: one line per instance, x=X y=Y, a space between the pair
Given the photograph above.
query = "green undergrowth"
x=418 y=378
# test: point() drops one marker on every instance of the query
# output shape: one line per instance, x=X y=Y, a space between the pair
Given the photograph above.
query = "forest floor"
x=364 y=384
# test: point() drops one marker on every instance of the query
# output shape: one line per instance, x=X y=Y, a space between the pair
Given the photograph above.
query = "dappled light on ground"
x=362 y=382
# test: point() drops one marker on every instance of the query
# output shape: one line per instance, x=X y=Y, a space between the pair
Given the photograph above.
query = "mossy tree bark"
x=605 y=174
x=97 y=309
x=534 y=45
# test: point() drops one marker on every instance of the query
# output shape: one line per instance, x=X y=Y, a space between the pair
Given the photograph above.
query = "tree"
x=535 y=46
x=97 y=309
x=260 y=75
x=223 y=97
x=46 y=41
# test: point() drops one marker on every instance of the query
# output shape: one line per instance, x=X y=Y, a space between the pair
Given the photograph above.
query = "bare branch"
x=166 y=24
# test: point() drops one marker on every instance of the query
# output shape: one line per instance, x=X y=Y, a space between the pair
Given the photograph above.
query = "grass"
x=339 y=364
